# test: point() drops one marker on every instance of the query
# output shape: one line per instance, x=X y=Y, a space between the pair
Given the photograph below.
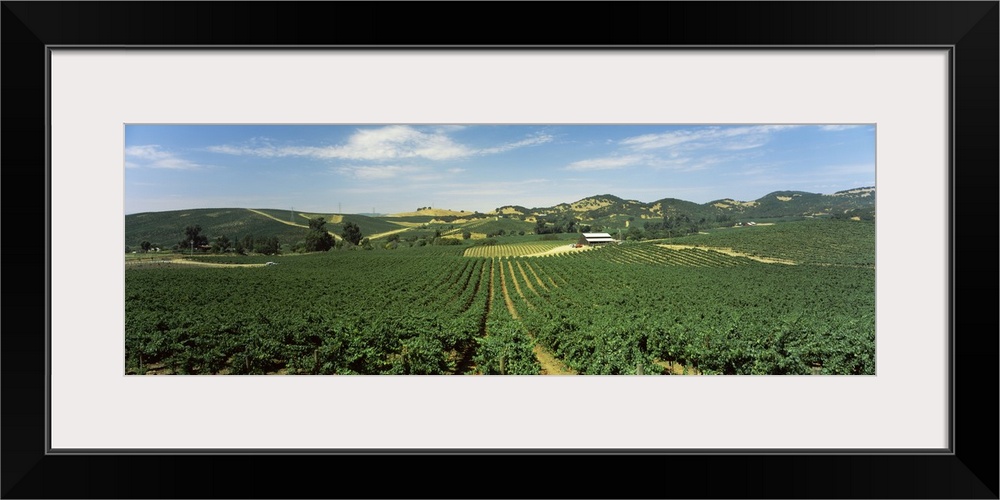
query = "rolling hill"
x=605 y=211
x=165 y=229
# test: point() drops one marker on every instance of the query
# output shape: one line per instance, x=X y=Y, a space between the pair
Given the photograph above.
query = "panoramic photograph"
x=463 y=249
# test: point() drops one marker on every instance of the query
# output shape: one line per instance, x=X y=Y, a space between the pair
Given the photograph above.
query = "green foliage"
x=262 y=223
x=222 y=244
x=421 y=355
x=192 y=238
x=317 y=238
x=248 y=243
x=351 y=233
x=709 y=311
x=269 y=246
x=391 y=314
x=507 y=350
x=430 y=310
x=446 y=241
x=811 y=241
x=673 y=225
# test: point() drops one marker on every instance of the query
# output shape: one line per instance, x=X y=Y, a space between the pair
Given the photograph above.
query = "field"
x=850 y=243
x=792 y=298
x=520 y=249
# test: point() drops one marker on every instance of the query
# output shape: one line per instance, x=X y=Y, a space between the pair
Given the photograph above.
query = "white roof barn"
x=598 y=238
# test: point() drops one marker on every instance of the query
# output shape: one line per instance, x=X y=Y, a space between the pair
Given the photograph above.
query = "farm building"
x=596 y=238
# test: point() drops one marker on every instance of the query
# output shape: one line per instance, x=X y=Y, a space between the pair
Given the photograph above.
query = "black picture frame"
x=970 y=29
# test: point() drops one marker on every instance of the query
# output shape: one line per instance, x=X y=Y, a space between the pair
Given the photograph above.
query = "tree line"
x=317 y=239
x=196 y=241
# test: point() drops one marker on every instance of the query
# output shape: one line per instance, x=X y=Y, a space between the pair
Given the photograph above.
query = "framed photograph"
x=244 y=117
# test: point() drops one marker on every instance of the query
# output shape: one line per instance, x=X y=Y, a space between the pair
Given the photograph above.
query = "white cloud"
x=153 y=156
x=531 y=141
x=397 y=141
x=684 y=150
x=381 y=144
x=265 y=152
x=733 y=138
x=146 y=152
x=665 y=140
x=393 y=142
x=444 y=129
x=377 y=172
x=837 y=128
x=456 y=170
x=608 y=162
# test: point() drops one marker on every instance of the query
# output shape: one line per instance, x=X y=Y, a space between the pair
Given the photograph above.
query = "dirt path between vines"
x=517 y=286
x=506 y=295
x=550 y=364
x=540 y=282
x=527 y=281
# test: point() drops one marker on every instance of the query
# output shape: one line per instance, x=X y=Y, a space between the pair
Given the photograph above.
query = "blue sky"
x=398 y=168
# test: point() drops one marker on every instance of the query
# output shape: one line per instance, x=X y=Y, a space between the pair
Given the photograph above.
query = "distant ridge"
x=436 y=212
x=165 y=229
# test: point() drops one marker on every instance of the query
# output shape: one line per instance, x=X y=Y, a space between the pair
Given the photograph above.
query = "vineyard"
x=825 y=242
x=634 y=308
x=514 y=249
x=657 y=255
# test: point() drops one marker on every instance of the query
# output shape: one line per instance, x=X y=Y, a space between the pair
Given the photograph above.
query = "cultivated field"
x=523 y=249
x=793 y=298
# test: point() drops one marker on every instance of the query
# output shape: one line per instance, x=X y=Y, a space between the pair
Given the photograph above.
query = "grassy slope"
x=167 y=228
x=335 y=222
x=490 y=225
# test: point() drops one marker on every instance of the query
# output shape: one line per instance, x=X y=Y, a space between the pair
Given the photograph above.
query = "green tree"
x=193 y=238
x=466 y=234
x=269 y=246
x=221 y=245
x=146 y=246
x=318 y=239
x=248 y=243
x=351 y=233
